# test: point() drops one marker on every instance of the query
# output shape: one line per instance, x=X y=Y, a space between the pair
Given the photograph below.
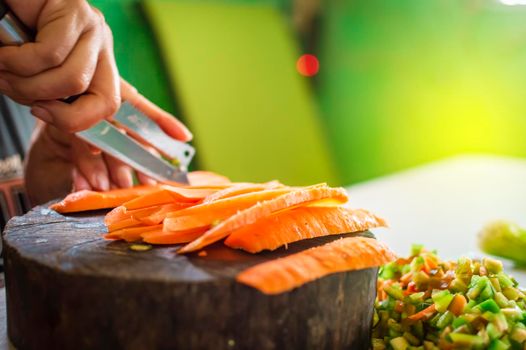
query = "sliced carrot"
x=241 y=188
x=159 y=213
x=207 y=178
x=169 y=194
x=115 y=215
x=206 y=214
x=346 y=254
x=119 y=225
x=91 y=200
x=132 y=234
x=426 y=313
x=300 y=223
x=164 y=237
x=261 y=210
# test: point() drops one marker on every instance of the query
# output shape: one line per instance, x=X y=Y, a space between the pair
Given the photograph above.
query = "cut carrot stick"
x=426 y=313
x=346 y=254
x=261 y=210
x=301 y=223
x=206 y=214
x=159 y=214
x=164 y=237
x=241 y=188
x=119 y=225
x=167 y=195
x=115 y=215
x=457 y=305
x=132 y=234
x=92 y=200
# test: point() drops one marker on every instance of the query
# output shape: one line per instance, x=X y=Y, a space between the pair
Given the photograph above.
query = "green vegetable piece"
x=500 y=322
x=514 y=314
x=504 y=239
x=445 y=319
x=411 y=339
x=416 y=249
x=399 y=343
x=492 y=265
x=442 y=300
x=464 y=270
x=498 y=345
x=489 y=305
x=477 y=285
x=394 y=291
x=511 y=293
x=470 y=340
x=519 y=333
x=393 y=325
x=417 y=297
x=495 y=283
x=493 y=332
x=140 y=247
x=459 y=321
x=458 y=286
x=376 y=318
x=378 y=344
x=501 y=300
x=504 y=280
x=487 y=293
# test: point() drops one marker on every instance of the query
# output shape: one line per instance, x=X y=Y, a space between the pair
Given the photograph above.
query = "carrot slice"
x=159 y=213
x=426 y=313
x=204 y=215
x=131 y=234
x=119 y=225
x=207 y=178
x=241 y=188
x=165 y=237
x=169 y=194
x=250 y=215
x=91 y=200
x=346 y=254
x=301 y=223
x=115 y=215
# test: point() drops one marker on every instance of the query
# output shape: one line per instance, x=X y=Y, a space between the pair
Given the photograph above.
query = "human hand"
x=58 y=162
x=72 y=55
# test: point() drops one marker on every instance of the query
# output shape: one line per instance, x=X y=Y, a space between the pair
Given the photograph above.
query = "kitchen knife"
x=108 y=138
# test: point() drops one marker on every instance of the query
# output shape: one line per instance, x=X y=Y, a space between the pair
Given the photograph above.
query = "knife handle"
x=14 y=32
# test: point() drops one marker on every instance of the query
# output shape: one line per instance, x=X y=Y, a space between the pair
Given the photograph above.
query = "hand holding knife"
x=106 y=135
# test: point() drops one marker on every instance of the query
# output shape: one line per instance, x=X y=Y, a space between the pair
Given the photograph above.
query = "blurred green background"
x=400 y=82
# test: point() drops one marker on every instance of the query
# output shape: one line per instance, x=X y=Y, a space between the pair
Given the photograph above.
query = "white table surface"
x=441 y=205
x=444 y=204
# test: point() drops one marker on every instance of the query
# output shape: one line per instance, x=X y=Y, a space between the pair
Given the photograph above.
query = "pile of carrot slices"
x=250 y=216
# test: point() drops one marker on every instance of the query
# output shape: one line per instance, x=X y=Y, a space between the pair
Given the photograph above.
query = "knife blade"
x=110 y=139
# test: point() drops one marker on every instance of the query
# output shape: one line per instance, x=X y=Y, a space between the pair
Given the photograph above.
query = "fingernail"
x=124 y=177
x=188 y=135
x=102 y=182
x=42 y=114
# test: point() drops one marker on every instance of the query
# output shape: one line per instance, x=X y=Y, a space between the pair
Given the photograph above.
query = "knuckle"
x=77 y=85
x=53 y=57
x=70 y=125
x=112 y=104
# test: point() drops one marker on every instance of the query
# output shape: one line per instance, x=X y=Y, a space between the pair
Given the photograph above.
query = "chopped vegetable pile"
x=248 y=216
x=425 y=303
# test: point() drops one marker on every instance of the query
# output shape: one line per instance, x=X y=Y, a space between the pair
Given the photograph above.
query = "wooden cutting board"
x=69 y=288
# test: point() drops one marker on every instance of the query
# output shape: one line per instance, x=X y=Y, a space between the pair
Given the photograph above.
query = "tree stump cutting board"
x=68 y=288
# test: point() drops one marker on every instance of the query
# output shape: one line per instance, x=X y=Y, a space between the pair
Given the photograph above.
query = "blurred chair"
x=233 y=69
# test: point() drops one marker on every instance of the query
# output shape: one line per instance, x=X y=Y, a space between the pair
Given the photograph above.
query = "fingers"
x=165 y=120
x=145 y=180
x=71 y=78
x=79 y=181
x=91 y=167
x=100 y=101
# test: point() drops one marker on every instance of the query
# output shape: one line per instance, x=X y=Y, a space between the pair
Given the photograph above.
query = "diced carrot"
x=351 y=253
x=204 y=215
x=241 y=188
x=165 y=237
x=457 y=305
x=91 y=200
x=426 y=313
x=132 y=234
x=300 y=223
x=261 y=210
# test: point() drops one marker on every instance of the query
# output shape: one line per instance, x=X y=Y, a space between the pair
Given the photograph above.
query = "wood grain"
x=67 y=288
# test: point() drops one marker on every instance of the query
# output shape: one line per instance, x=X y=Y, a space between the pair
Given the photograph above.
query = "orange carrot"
x=169 y=194
x=164 y=237
x=159 y=213
x=261 y=210
x=91 y=200
x=131 y=234
x=204 y=215
x=241 y=188
x=301 y=223
x=426 y=313
x=351 y=253
x=457 y=305
x=119 y=225
x=115 y=215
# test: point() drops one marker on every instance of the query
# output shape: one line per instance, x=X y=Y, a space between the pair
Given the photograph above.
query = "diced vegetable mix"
x=425 y=303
